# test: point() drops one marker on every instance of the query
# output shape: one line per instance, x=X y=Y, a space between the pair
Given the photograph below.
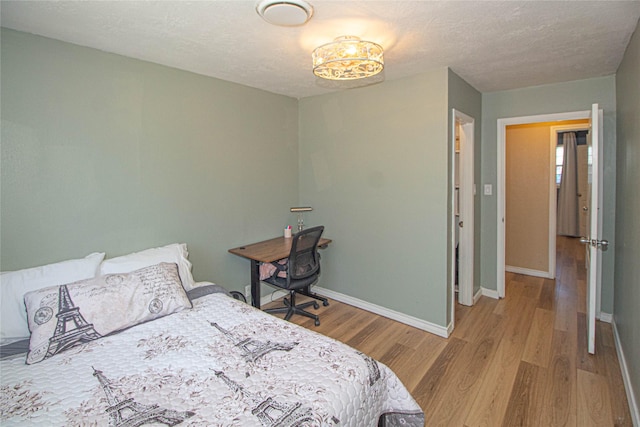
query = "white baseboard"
x=386 y=312
x=490 y=293
x=631 y=397
x=477 y=296
x=449 y=329
x=528 y=272
x=605 y=317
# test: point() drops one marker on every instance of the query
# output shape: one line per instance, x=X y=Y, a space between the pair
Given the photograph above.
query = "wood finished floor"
x=518 y=361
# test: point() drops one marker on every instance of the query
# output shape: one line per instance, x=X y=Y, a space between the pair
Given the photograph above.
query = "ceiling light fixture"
x=289 y=13
x=347 y=58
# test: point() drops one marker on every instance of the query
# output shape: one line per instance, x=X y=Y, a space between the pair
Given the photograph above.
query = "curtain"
x=568 y=214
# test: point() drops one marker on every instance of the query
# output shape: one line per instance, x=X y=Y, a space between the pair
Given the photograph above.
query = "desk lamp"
x=300 y=211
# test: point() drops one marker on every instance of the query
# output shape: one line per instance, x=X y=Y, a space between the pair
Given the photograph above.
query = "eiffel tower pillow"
x=62 y=317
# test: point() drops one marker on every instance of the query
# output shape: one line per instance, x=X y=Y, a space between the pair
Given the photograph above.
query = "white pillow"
x=14 y=284
x=175 y=253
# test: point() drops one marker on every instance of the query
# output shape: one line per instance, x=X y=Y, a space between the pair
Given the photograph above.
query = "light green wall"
x=547 y=99
x=627 y=268
x=106 y=153
x=464 y=98
x=374 y=165
x=103 y=152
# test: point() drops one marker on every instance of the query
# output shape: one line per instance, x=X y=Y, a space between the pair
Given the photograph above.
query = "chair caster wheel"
x=317 y=323
x=315 y=306
x=325 y=303
x=238 y=295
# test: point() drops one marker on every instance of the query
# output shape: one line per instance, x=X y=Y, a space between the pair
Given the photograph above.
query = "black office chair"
x=303 y=269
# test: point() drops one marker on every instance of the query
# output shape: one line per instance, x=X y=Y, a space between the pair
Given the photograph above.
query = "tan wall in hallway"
x=527 y=196
x=528 y=163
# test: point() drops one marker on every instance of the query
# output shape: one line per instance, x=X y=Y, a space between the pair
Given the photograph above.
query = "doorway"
x=501 y=187
x=462 y=210
x=532 y=190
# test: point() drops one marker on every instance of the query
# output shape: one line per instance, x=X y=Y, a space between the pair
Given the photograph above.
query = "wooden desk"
x=266 y=251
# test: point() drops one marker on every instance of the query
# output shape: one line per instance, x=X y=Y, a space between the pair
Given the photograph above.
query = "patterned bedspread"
x=222 y=363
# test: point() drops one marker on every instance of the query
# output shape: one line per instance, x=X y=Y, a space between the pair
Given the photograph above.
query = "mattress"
x=222 y=363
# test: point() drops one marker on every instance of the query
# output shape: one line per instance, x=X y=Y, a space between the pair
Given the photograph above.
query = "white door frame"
x=500 y=186
x=466 y=209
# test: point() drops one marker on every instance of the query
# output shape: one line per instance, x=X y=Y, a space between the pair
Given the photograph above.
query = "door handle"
x=584 y=208
x=602 y=244
x=461 y=224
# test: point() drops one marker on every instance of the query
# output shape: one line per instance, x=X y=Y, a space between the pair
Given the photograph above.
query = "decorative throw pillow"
x=176 y=253
x=14 y=284
x=65 y=316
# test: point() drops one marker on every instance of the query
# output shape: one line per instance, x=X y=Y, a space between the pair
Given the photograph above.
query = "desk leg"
x=255 y=283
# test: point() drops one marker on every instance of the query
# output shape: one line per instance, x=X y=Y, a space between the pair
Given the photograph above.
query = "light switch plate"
x=488 y=189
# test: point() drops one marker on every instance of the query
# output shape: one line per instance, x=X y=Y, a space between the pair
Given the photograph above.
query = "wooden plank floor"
x=518 y=361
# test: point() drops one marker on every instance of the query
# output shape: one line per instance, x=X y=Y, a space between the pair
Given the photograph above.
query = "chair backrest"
x=304 y=260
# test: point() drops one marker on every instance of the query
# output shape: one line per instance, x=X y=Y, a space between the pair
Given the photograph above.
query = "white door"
x=466 y=217
x=593 y=239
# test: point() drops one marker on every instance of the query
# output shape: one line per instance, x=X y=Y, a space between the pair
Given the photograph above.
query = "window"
x=581 y=139
x=559 y=162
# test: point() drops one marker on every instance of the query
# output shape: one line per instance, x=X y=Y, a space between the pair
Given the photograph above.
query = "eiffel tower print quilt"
x=220 y=363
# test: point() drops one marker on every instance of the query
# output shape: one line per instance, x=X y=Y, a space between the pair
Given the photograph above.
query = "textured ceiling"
x=493 y=45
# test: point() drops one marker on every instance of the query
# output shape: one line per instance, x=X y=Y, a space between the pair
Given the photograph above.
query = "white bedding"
x=222 y=363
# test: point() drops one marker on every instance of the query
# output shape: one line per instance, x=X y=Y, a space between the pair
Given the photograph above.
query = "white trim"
x=386 y=312
x=477 y=296
x=449 y=329
x=626 y=378
x=605 y=317
x=490 y=293
x=529 y=271
x=601 y=205
x=500 y=184
x=500 y=189
x=553 y=206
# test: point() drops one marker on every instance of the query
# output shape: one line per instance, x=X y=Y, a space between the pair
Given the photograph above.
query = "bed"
x=195 y=357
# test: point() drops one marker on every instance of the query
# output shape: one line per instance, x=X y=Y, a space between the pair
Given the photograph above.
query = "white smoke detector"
x=289 y=13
